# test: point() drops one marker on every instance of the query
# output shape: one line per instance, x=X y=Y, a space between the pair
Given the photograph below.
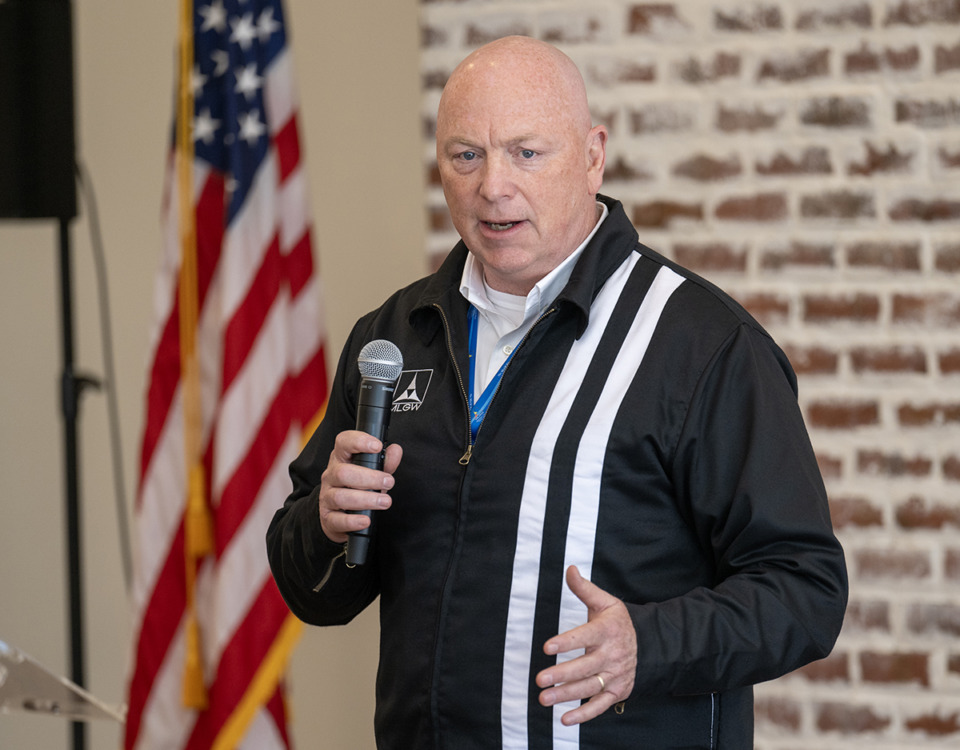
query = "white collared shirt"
x=504 y=319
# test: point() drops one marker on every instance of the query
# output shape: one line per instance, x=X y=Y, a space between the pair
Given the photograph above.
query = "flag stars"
x=205 y=126
x=221 y=62
x=244 y=31
x=197 y=80
x=248 y=82
x=251 y=129
x=267 y=25
x=214 y=16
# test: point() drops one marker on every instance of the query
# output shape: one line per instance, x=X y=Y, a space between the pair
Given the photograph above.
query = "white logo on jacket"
x=412 y=387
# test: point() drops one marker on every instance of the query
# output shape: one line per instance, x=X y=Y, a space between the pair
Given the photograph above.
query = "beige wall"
x=357 y=65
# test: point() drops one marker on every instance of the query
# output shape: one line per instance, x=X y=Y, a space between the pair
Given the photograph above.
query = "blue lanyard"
x=479 y=410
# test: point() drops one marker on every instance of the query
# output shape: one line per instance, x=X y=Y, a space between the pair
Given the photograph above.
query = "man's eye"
x=468 y=155
x=527 y=153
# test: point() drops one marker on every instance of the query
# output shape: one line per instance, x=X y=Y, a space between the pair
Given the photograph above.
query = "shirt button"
x=507 y=349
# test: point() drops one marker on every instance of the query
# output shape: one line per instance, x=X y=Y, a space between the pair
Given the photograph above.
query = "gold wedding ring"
x=603 y=685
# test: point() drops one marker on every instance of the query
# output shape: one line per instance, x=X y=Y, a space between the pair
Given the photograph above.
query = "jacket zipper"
x=465 y=458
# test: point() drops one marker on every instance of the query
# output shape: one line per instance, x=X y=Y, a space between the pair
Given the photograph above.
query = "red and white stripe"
x=263 y=379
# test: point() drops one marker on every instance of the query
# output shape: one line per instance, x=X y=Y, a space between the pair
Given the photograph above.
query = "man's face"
x=519 y=174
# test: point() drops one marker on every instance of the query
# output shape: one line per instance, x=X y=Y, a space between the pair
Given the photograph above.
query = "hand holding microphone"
x=380 y=364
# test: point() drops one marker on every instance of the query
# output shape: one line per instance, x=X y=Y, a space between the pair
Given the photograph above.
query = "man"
x=603 y=522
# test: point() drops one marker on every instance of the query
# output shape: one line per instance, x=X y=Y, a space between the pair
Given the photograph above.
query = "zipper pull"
x=465 y=458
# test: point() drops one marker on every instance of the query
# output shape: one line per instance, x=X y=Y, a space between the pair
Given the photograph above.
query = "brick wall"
x=805 y=156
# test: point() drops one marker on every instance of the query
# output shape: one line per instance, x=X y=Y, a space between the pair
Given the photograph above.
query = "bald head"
x=531 y=72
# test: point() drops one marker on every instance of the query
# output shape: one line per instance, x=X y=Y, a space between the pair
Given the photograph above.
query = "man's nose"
x=497 y=178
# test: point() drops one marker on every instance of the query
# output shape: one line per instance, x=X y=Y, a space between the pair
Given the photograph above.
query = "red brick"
x=915 y=514
x=949 y=362
x=946 y=59
x=893 y=465
x=854 y=15
x=891 y=256
x=435 y=79
x=942 y=310
x=894 y=359
x=715 y=256
x=617 y=71
x=831 y=467
x=813 y=160
x=934 y=618
x=934 y=724
x=921 y=12
x=838 y=204
x=928 y=415
x=915 y=209
x=948 y=160
x=477 y=35
x=723 y=65
x=857 y=308
x=749 y=118
x=440 y=220
x=651 y=18
x=660 y=214
x=763 y=207
x=947 y=258
x=799 y=66
x=848 y=719
x=928 y=113
x=951 y=468
x=867 y=616
x=432 y=37
x=891 y=564
x=662 y=117
x=854 y=511
x=843 y=415
x=866 y=59
x=705 y=168
x=904 y=667
x=833 y=668
x=798 y=255
x=881 y=162
x=761 y=17
x=619 y=169
x=769 y=309
x=812 y=360
x=779 y=712
x=837 y=112
x=573 y=27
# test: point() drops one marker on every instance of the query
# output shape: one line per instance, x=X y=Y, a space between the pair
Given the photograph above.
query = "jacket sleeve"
x=746 y=476
x=309 y=569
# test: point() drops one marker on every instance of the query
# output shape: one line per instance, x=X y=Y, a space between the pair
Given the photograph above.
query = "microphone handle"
x=373 y=417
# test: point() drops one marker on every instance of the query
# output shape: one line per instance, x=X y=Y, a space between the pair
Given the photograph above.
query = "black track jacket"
x=646 y=430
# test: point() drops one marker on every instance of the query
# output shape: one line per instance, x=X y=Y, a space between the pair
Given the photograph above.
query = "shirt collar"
x=473 y=288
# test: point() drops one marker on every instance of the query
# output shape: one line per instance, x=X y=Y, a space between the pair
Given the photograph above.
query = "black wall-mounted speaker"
x=37 y=142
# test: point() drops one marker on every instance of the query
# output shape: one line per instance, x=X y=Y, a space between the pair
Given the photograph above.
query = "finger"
x=349 y=442
x=394 y=454
x=573 y=690
x=589 y=710
x=588 y=592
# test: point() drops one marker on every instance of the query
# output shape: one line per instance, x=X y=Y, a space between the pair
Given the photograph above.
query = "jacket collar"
x=614 y=241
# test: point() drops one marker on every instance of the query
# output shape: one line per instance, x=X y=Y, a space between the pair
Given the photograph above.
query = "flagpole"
x=71 y=389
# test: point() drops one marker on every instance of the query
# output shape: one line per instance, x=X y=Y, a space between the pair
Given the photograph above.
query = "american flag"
x=237 y=378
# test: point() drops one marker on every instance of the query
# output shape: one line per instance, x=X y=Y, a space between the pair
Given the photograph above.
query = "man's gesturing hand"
x=344 y=486
x=606 y=671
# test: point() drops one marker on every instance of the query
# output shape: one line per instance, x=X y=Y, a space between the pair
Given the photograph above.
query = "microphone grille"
x=380 y=360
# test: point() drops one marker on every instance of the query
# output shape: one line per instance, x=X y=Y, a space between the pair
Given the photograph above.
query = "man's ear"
x=596 y=157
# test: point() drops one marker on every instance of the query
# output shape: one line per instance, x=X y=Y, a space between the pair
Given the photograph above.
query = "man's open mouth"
x=501 y=227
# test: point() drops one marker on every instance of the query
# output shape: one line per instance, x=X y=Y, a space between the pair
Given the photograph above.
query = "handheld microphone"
x=380 y=364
